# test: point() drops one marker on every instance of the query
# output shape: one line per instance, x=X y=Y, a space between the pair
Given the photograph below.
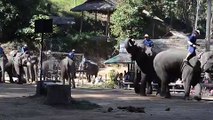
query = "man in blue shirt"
x=25 y=49
x=147 y=41
x=71 y=54
x=192 y=45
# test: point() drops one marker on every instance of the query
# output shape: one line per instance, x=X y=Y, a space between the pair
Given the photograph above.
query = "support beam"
x=107 y=23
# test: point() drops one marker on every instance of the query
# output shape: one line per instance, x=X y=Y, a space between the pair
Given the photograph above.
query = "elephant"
x=91 y=68
x=50 y=65
x=68 y=70
x=169 y=66
x=30 y=67
x=8 y=68
x=206 y=59
x=145 y=72
x=24 y=64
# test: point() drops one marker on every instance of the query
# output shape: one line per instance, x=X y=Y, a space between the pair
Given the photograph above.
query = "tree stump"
x=58 y=94
x=41 y=86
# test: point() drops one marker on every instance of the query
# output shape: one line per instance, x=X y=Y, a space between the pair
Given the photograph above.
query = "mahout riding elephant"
x=169 y=66
x=145 y=73
x=91 y=68
x=68 y=71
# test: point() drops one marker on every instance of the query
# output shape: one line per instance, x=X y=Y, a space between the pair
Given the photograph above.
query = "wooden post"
x=107 y=23
x=41 y=55
x=95 y=21
x=208 y=26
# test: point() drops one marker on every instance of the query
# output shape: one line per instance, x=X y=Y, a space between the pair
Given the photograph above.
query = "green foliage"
x=128 y=20
x=65 y=5
x=111 y=82
x=15 y=14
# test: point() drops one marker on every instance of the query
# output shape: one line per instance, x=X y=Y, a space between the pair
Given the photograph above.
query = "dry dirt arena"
x=18 y=103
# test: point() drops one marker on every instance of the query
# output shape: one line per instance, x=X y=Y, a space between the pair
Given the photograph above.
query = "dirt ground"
x=17 y=103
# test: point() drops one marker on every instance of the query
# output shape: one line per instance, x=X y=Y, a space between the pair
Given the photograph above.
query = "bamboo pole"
x=208 y=26
x=197 y=13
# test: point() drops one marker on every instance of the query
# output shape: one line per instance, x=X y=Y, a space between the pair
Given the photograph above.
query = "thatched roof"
x=101 y=6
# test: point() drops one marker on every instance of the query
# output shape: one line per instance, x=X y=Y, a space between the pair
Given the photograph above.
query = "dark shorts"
x=192 y=50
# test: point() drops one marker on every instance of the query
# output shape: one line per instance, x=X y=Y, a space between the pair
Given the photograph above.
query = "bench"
x=128 y=84
x=173 y=85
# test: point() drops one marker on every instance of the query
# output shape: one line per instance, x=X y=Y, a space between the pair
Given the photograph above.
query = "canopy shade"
x=101 y=6
x=121 y=58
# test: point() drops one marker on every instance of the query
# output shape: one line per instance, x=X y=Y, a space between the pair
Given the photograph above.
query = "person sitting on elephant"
x=71 y=55
x=25 y=49
x=192 y=45
x=147 y=41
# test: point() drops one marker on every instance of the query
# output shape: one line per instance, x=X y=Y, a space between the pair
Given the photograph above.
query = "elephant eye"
x=210 y=57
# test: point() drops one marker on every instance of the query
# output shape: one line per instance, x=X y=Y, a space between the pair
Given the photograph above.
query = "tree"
x=128 y=20
x=15 y=14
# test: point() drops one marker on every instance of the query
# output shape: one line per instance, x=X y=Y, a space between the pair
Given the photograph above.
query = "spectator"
x=126 y=76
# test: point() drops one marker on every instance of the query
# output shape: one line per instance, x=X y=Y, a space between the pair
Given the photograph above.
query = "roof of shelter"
x=101 y=6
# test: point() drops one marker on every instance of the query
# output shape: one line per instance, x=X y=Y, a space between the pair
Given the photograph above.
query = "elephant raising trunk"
x=145 y=73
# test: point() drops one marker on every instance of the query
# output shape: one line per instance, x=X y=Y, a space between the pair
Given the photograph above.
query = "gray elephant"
x=16 y=60
x=50 y=66
x=169 y=66
x=91 y=68
x=206 y=59
x=8 y=67
x=30 y=67
x=68 y=71
x=145 y=72
x=24 y=64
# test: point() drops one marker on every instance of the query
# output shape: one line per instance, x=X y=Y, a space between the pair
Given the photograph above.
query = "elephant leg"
x=2 y=69
x=137 y=79
x=18 y=72
x=168 y=95
x=88 y=77
x=149 y=86
x=9 y=70
x=30 y=71
x=187 y=88
x=35 y=68
x=164 y=91
x=197 y=88
x=73 y=83
x=143 y=84
x=26 y=73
